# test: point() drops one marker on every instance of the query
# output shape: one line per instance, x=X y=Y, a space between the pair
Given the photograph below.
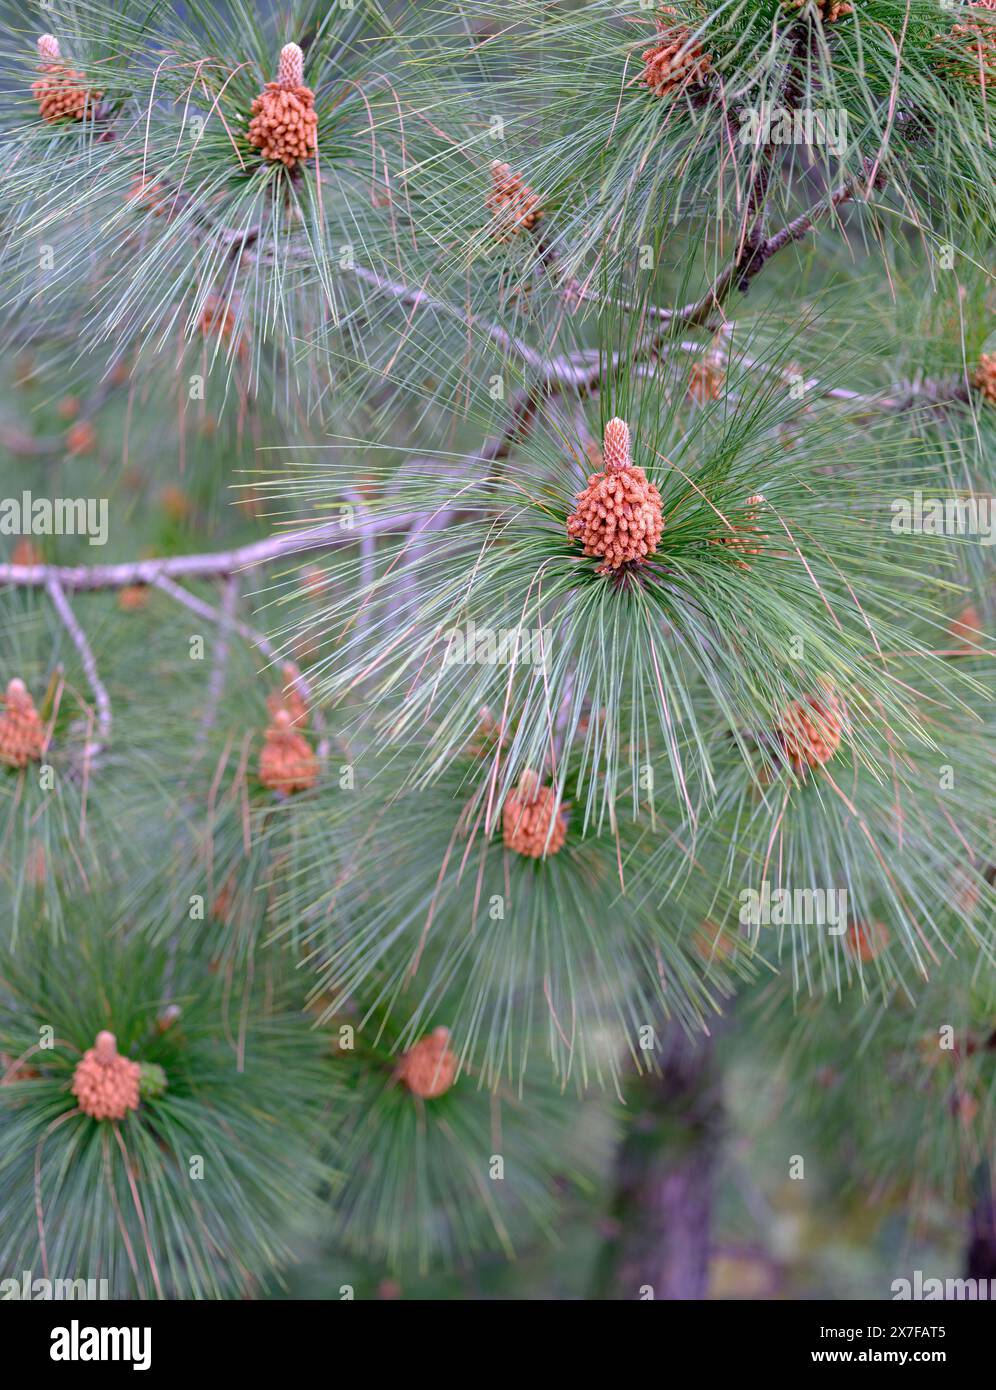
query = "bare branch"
x=210 y=565
x=216 y=684
x=101 y=698
x=368 y=555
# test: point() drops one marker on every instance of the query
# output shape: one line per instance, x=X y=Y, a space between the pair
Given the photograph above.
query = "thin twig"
x=219 y=617
x=216 y=683
x=101 y=698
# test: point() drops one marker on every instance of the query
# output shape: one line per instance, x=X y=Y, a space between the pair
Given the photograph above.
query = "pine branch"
x=551 y=371
x=78 y=636
x=751 y=257
x=754 y=256
x=219 y=670
x=930 y=391
x=161 y=574
x=582 y=373
x=661 y=1219
x=208 y=565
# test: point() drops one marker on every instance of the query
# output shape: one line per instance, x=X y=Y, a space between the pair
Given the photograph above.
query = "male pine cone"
x=429 y=1068
x=511 y=202
x=985 y=375
x=676 y=60
x=618 y=516
x=61 y=92
x=811 y=730
x=830 y=10
x=975 y=61
x=22 y=734
x=284 y=126
x=533 y=820
x=745 y=538
x=290 y=699
x=105 y=1084
x=286 y=763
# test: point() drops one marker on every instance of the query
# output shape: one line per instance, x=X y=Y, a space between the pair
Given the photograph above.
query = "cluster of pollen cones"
x=811 y=729
x=287 y=762
x=512 y=203
x=22 y=734
x=283 y=124
x=429 y=1068
x=985 y=375
x=967 y=630
x=976 y=40
x=675 y=60
x=290 y=699
x=705 y=380
x=866 y=940
x=487 y=735
x=61 y=92
x=618 y=517
x=105 y=1084
x=217 y=318
x=830 y=10
x=534 y=822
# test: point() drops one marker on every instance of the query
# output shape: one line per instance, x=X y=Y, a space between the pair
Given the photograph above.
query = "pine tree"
x=497 y=611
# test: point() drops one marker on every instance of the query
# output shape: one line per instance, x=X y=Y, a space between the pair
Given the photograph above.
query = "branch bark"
x=102 y=700
x=981 y=1257
x=219 y=668
x=661 y=1221
x=218 y=564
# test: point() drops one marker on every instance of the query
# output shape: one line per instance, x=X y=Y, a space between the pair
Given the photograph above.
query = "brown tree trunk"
x=981 y=1258
x=658 y=1238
